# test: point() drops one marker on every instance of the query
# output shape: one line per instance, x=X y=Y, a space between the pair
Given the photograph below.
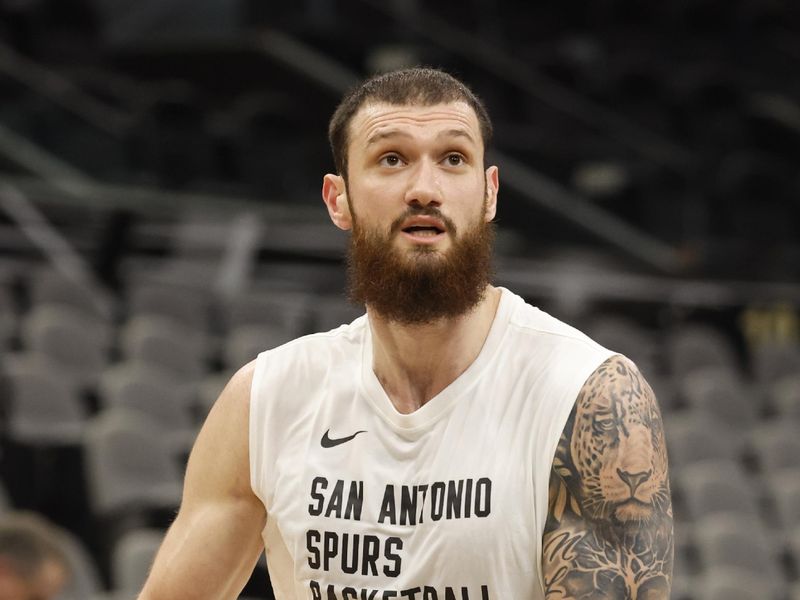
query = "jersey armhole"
x=256 y=423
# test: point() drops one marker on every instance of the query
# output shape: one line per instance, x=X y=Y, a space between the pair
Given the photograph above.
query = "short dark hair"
x=28 y=542
x=418 y=86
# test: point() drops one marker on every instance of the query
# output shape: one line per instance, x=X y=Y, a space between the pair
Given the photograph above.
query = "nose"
x=634 y=480
x=423 y=187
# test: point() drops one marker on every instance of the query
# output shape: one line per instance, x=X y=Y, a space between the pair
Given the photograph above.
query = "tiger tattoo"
x=609 y=528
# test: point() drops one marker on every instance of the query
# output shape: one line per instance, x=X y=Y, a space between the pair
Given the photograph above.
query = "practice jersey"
x=446 y=503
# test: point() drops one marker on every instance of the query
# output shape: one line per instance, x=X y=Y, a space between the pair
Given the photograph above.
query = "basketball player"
x=453 y=444
x=32 y=564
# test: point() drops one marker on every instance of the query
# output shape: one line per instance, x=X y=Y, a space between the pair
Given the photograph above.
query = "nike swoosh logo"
x=328 y=442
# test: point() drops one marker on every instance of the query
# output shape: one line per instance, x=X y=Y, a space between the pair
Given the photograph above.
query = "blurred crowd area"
x=160 y=224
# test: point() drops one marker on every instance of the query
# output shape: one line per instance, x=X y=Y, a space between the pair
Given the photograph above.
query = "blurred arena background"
x=161 y=223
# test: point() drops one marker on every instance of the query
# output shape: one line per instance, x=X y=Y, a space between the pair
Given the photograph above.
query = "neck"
x=416 y=362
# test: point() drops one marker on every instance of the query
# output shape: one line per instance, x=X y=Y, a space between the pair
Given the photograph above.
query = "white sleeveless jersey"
x=446 y=503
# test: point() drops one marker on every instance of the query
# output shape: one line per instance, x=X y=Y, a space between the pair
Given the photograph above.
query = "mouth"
x=422 y=235
x=423 y=229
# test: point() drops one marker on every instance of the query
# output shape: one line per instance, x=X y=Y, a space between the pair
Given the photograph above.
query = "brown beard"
x=423 y=285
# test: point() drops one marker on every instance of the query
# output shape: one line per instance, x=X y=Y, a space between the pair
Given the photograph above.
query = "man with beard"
x=454 y=442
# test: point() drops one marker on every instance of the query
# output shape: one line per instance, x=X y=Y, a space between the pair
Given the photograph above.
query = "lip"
x=424 y=240
x=423 y=221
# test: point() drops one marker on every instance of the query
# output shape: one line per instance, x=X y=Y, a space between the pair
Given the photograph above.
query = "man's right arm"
x=211 y=548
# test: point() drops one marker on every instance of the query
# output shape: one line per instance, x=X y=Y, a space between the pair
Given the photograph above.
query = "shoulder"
x=609 y=522
x=542 y=328
x=283 y=379
x=612 y=452
x=341 y=339
x=552 y=354
x=233 y=404
x=239 y=384
x=312 y=354
x=617 y=388
x=218 y=463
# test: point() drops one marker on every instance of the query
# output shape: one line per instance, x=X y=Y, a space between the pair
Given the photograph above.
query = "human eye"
x=455 y=159
x=390 y=160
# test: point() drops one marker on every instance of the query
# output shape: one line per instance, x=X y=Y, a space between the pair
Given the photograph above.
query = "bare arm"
x=609 y=528
x=213 y=545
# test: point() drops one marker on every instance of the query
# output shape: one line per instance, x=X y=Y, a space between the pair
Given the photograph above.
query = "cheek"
x=370 y=215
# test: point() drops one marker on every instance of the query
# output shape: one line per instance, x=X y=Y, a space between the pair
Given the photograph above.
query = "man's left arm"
x=609 y=527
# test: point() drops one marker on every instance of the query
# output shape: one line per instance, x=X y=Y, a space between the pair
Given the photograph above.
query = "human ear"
x=334 y=194
x=492 y=187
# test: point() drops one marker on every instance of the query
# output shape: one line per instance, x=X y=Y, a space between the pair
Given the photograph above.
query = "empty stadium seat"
x=47 y=287
x=772 y=361
x=179 y=304
x=44 y=408
x=716 y=486
x=289 y=311
x=776 y=445
x=75 y=343
x=165 y=345
x=694 y=436
x=135 y=386
x=736 y=540
x=723 y=395
x=693 y=347
x=130 y=466
x=784 y=397
x=729 y=583
x=684 y=551
x=785 y=488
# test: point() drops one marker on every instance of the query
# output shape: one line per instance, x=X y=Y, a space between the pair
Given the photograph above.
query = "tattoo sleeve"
x=609 y=528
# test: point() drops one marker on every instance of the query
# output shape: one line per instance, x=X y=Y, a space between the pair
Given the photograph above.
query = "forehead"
x=377 y=118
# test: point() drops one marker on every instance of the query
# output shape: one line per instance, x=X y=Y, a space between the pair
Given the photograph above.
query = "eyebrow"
x=382 y=135
x=456 y=133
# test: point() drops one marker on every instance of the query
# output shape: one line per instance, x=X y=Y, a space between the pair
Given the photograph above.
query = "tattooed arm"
x=609 y=528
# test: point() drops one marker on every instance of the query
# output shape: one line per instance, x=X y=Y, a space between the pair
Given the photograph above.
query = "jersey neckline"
x=444 y=400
